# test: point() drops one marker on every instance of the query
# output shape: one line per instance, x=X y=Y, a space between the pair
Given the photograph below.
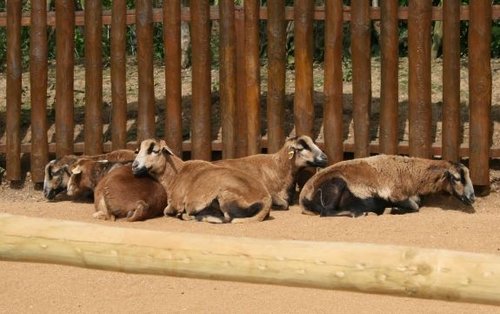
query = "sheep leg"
x=409 y=205
x=279 y=203
x=100 y=215
x=139 y=212
x=231 y=204
x=170 y=210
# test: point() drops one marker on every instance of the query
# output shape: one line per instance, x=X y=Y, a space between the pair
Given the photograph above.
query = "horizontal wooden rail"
x=319 y=14
x=348 y=147
x=369 y=268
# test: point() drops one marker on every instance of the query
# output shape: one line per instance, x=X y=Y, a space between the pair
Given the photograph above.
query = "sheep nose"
x=135 y=165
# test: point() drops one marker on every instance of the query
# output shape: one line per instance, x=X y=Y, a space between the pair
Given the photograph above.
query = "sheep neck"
x=173 y=166
x=433 y=181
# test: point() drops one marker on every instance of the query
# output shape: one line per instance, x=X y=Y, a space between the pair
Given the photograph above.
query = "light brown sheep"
x=371 y=184
x=57 y=171
x=278 y=171
x=201 y=190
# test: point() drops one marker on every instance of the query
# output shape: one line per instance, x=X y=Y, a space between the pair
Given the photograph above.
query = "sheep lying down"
x=199 y=190
x=355 y=187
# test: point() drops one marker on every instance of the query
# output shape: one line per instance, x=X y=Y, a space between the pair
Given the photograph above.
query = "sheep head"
x=84 y=176
x=459 y=184
x=306 y=153
x=151 y=157
x=56 y=178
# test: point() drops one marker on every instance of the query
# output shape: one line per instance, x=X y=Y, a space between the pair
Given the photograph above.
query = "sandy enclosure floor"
x=442 y=223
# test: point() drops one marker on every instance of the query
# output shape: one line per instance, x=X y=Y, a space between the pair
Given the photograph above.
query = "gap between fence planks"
x=370 y=268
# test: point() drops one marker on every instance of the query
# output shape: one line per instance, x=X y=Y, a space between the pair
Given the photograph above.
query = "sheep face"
x=307 y=153
x=55 y=180
x=151 y=157
x=83 y=176
x=460 y=184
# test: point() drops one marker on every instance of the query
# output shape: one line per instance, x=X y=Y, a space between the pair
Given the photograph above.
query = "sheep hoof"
x=100 y=215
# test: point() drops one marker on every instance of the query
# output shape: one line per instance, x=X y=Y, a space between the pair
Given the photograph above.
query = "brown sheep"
x=121 y=194
x=358 y=186
x=86 y=173
x=201 y=190
x=278 y=171
x=117 y=192
x=57 y=171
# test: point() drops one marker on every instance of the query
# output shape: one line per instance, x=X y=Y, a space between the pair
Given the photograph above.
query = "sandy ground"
x=442 y=223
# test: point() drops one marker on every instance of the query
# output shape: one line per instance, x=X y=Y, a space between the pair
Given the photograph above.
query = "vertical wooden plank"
x=14 y=89
x=241 y=108
x=451 y=80
x=38 y=83
x=200 y=40
x=227 y=77
x=146 y=99
x=65 y=31
x=118 y=75
x=276 y=54
x=419 y=82
x=93 y=77
x=253 y=74
x=333 y=119
x=480 y=91
x=361 y=75
x=389 y=42
x=173 y=87
x=303 y=36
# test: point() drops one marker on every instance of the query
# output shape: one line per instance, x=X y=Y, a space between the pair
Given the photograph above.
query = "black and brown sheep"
x=201 y=190
x=371 y=184
x=278 y=171
x=57 y=171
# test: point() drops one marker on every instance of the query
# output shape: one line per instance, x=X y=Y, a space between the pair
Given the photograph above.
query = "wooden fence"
x=240 y=78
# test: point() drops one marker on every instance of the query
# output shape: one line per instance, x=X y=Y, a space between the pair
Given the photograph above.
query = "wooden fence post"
x=93 y=77
x=146 y=125
x=419 y=78
x=389 y=101
x=361 y=75
x=333 y=86
x=276 y=80
x=480 y=92
x=451 y=80
x=65 y=30
x=38 y=82
x=303 y=37
x=241 y=108
x=173 y=78
x=201 y=76
x=252 y=69
x=227 y=77
x=14 y=89
x=118 y=75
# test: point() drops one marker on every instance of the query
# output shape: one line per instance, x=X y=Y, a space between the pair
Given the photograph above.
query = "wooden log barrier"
x=370 y=268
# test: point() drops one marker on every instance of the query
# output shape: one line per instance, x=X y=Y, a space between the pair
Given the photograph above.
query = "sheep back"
x=121 y=192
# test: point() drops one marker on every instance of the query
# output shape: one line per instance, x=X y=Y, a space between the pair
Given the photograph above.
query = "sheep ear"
x=167 y=150
x=164 y=147
x=291 y=153
x=76 y=170
x=103 y=161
